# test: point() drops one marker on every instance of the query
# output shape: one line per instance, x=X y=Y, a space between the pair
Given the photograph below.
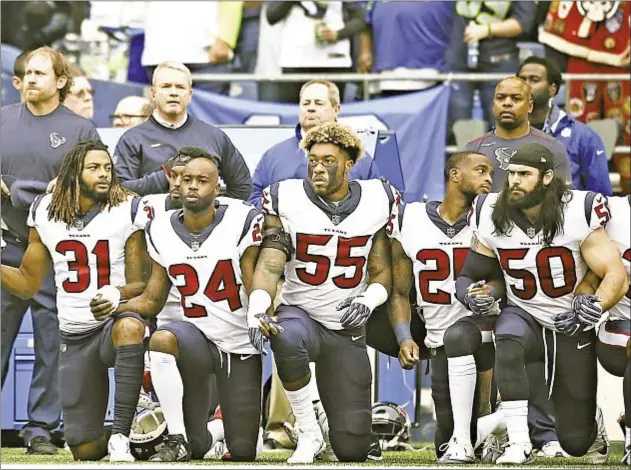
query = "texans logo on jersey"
x=56 y=140
x=503 y=156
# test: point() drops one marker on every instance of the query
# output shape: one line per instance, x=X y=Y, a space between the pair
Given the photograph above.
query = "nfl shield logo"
x=451 y=232
x=194 y=245
x=78 y=224
x=335 y=219
x=531 y=232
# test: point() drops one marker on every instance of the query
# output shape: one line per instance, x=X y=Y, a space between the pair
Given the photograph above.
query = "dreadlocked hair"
x=64 y=206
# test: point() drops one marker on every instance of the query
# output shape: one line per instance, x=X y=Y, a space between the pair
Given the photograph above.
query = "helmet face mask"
x=391 y=425
x=148 y=433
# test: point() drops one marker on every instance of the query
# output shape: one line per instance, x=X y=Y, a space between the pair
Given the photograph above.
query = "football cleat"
x=176 y=449
x=310 y=445
x=118 y=449
x=457 y=452
x=517 y=453
x=493 y=447
x=598 y=452
x=552 y=450
x=374 y=449
x=328 y=455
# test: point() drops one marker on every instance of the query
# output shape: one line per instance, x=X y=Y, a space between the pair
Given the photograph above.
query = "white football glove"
x=111 y=294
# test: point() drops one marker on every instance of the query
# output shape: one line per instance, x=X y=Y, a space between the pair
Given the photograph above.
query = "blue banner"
x=419 y=120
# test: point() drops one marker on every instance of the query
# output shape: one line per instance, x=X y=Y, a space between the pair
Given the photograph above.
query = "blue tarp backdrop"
x=419 y=119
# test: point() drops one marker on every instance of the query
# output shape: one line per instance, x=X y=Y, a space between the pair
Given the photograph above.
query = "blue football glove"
x=256 y=336
x=479 y=305
x=357 y=312
x=587 y=308
x=568 y=323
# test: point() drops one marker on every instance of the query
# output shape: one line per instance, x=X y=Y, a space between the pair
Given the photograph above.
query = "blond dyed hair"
x=337 y=134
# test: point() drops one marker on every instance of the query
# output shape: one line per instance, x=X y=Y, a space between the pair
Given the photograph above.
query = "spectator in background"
x=131 y=111
x=29 y=25
x=247 y=39
x=584 y=147
x=494 y=28
x=319 y=104
x=142 y=150
x=80 y=98
x=19 y=69
x=403 y=37
x=315 y=38
x=512 y=103
x=35 y=136
x=201 y=35
x=593 y=38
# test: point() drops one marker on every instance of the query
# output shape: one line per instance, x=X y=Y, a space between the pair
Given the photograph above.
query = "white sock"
x=489 y=424
x=302 y=406
x=167 y=383
x=462 y=378
x=313 y=386
x=215 y=428
x=516 y=414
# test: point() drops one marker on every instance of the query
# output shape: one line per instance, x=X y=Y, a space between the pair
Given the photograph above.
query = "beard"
x=531 y=199
x=541 y=100
x=97 y=196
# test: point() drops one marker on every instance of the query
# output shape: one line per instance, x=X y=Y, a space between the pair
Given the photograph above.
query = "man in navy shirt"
x=142 y=150
x=583 y=145
x=319 y=103
x=35 y=136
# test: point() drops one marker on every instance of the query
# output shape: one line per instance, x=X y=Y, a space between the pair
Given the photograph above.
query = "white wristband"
x=374 y=295
x=259 y=301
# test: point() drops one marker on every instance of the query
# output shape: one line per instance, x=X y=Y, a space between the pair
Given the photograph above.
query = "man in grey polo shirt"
x=512 y=103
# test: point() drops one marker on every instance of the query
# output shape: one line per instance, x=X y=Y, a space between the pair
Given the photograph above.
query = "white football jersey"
x=438 y=251
x=541 y=279
x=206 y=269
x=619 y=230
x=85 y=257
x=151 y=206
x=332 y=243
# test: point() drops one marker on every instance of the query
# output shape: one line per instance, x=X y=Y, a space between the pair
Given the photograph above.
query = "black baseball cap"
x=533 y=155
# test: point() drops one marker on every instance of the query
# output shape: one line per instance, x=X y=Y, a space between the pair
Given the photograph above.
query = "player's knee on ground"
x=164 y=341
x=576 y=439
x=243 y=450
x=90 y=451
x=290 y=352
x=462 y=339
x=351 y=440
x=128 y=330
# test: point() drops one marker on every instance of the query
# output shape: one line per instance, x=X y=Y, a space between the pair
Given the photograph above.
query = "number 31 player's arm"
x=152 y=300
x=481 y=264
x=137 y=266
x=25 y=281
x=603 y=259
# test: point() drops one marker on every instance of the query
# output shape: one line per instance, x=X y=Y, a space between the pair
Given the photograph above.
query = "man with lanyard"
x=583 y=145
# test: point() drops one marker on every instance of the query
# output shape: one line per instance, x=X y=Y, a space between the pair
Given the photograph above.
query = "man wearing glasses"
x=131 y=111
x=80 y=99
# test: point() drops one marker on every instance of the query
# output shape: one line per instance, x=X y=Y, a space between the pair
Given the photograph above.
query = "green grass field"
x=424 y=456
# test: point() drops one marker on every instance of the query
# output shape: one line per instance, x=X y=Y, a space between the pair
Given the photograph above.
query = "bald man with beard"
x=512 y=103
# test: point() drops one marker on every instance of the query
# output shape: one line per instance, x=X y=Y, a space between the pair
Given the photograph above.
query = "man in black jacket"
x=143 y=150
